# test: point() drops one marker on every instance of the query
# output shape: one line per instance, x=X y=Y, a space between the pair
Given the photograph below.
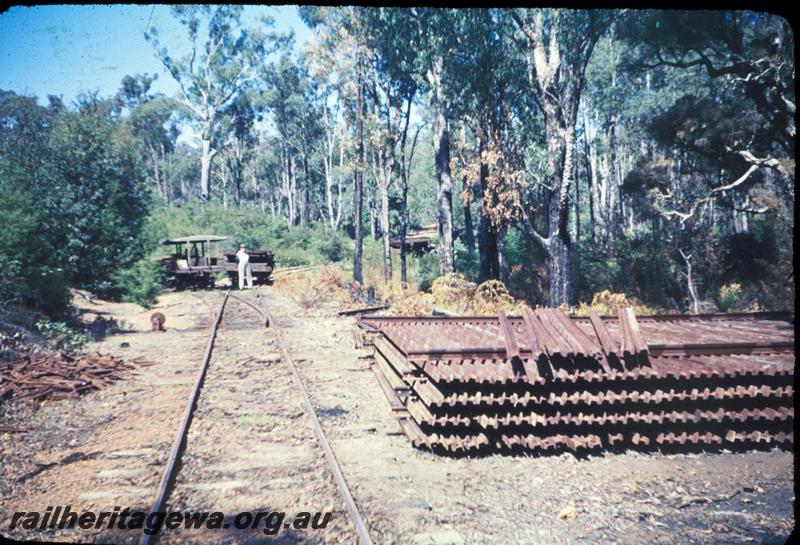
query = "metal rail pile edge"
x=545 y=381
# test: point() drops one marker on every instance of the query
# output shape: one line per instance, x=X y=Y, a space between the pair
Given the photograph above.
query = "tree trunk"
x=560 y=271
x=291 y=181
x=224 y=179
x=403 y=229
x=306 y=218
x=384 y=166
x=329 y=125
x=557 y=80
x=441 y=145
x=161 y=187
x=690 y=285
x=206 y=158
x=387 y=249
x=358 y=171
x=503 y=266
x=405 y=165
x=577 y=201
x=487 y=241
x=589 y=179
x=560 y=139
x=373 y=216
x=469 y=236
x=238 y=168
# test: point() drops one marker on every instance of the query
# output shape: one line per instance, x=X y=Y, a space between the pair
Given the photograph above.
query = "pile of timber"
x=62 y=376
x=548 y=382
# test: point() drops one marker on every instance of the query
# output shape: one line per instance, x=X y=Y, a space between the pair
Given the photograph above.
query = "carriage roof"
x=194 y=238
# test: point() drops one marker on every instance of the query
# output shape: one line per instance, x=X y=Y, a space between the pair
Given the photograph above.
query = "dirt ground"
x=252 y=448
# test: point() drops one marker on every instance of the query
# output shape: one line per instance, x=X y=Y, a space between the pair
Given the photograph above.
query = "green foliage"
x=526 y=280
x=679 y=102
x=28 y=277
x=645 y=270
x=641 y=268
x=425 y=269
x=140 y=283
x=71 y=212
x=60 y=336
x=295 y=246
x=467 y=262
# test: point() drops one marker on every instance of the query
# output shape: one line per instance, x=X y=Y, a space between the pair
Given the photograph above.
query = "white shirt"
x=243 y=257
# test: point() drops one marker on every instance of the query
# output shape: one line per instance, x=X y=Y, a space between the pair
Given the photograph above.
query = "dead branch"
x=755 y=164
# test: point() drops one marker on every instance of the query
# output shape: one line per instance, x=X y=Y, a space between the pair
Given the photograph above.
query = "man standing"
x=244 y=267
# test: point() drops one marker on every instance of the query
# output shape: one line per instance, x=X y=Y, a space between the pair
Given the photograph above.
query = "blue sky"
x=64 y=50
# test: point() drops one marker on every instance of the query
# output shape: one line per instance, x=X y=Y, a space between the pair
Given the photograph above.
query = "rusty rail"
x=344 y=489
x=170 y=470
x=547 y=381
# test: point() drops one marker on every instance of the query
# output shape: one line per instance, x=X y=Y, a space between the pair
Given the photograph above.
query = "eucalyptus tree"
x=289 y=96
x=154 y=120
x=720 y=175
x=495 y=115
x=557 y=45
x=217 y=68
x=238 y=131
x=751 y=56
x=328 y=56
x=347 y=27
x=436 y=41
x=392 y=89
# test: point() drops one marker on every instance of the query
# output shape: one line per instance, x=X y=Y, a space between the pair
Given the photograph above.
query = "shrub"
x=416 y=304
x=608 y=303
x=139 y=284
x=425 y=269
x=727 y=296
x=249 y=225
x=453 y=291
x=329 y=244
x=331 y=283
x=467 y=261
x=59 y=336
x=49 y=288
x=491 y=296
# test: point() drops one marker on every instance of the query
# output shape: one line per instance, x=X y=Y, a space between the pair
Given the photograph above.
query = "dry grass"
x=300 y=286
x=454 y=293
x=451 y=292
x=414 y=304
x=608 y=303
x=492 y=296
x=312 y=288
x=332 y=285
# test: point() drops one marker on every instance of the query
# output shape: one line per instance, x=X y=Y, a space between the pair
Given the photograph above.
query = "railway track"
x=250 y=441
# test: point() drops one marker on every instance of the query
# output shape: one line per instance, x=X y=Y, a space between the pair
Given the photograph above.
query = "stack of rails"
x=62 y=376
x=548 y=382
